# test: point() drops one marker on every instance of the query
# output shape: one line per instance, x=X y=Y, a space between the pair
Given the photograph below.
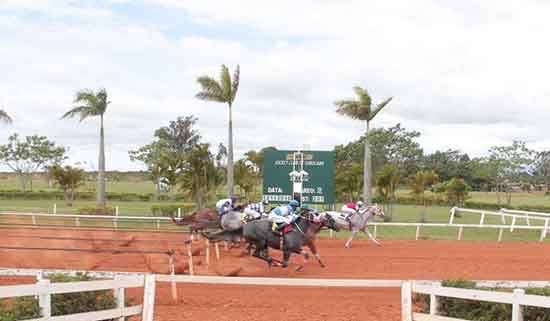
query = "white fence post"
x=158 y=224
x=120 y=298
x=502 y=218
x=33 y=220
x=460 y=231
x=482 y=219
x=417 y=232
x=452 y=217
x=330 y=234
x=513 y=223
x=55 y=208
x=500 y=232
x=544 y=231
x=179 y=212
x=517 y=310
x=45 y=300
x=149 y=298
x=406 y=301
x=433 y=304
x=116 y=210
x=76 y=221
x=375 y=231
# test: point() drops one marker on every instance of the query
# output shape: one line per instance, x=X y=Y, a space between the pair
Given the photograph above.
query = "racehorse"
x=199 y=220
x=301 y=232
x=358 y=221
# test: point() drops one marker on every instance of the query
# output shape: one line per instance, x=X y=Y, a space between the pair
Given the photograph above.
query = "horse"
x=199 y=220
x=301 y=232
x=358 y=221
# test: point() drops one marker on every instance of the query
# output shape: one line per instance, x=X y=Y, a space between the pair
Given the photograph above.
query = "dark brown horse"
x=199 y=220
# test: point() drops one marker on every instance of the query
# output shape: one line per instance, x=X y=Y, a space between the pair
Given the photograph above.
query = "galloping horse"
x=358 y=221
x=199 y=220
x=301 y=232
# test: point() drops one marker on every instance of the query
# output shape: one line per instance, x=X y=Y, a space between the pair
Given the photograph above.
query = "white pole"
x=217 y=248
x=433 y=304
x=513 y=223
x=45 y=300
x=482 y=219
x=179 y=212
x=33 y=220
x=500 y=231
x=452 y=218
x=54 y=208
x=116 y=210
x=417 y=232
x=375 y=231
x=149 y=298
x=517 y=310
x=120 y=297
x=330 y=233
x=460 y=230
x=406 y=301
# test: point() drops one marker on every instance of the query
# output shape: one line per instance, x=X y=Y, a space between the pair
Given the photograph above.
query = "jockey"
x=224 y=206
x=352 y=208
x=256 y=210
x=283 y=215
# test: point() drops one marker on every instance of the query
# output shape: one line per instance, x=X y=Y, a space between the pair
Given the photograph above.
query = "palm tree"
x=362 y=109
x=223 y=91
x=4 y=117
x=93 y=104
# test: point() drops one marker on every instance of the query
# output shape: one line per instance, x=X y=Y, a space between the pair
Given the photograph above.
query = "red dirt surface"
x=394 y=260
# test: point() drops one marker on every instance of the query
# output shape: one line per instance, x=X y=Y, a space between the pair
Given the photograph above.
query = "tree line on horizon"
x=383 y=157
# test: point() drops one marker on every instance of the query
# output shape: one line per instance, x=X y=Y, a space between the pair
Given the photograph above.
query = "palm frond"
x=225 y=82
x=379 y=107
x=82 y=112
x=235 y=83
x=211 y=89
x=5 y=117
x=363 y=96
x=86 y=96
x=203 y=95
x=350 y=108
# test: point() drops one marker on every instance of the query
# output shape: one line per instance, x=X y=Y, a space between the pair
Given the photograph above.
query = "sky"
x=467 y=74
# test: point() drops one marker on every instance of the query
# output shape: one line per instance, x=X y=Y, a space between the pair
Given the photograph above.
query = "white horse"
x=358 y=221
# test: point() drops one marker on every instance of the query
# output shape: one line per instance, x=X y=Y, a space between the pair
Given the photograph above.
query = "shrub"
x=91 y=210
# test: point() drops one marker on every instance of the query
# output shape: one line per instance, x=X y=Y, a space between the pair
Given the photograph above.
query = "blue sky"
x=467 y=76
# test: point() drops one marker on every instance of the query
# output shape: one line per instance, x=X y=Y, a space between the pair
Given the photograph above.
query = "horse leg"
x=313 y=249
x=286 y=257
x=366 y=230
x=348 y=243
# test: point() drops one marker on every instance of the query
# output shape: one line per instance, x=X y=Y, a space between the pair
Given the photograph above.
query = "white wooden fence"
x=515 y=215
x=517 y=299
x=43 y=289
x=503 y=214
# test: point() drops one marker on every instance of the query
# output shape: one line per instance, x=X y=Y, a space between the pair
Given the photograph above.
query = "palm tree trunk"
x=101 y=168
x=367 y=189
x=230 y=155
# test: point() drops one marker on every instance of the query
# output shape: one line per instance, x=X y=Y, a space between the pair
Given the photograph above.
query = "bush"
x=84 y=196
x=70 y=303
x=91 y=210
x=480 y=310
x=171 y=209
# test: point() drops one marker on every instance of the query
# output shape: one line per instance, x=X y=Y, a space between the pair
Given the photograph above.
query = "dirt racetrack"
x=132 y=251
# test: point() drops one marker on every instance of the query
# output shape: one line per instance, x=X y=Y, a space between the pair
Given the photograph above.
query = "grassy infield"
x=402 y=213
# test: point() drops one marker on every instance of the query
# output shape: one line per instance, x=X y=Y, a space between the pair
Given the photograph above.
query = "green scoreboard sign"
x=318 y=182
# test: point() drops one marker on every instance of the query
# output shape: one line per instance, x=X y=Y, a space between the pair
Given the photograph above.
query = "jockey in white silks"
x=283 y=215
x=225 y=206
x=256 y=210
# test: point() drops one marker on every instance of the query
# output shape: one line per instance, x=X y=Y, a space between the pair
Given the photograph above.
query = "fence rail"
x=44 y=289
x=517 y=299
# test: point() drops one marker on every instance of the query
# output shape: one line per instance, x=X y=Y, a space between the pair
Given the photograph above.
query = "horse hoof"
x=298 y=269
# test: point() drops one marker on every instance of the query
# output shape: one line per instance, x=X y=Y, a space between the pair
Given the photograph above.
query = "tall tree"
x=4 y=117
x=245 y=176
x=200 y=177
x=27 y=156
x=387 y=180
x=223 y=91
x=93 y=104
x=363 y=109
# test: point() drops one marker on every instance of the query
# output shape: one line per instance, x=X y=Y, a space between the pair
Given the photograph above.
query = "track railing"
x=543 y=218
x=43 y=289
x=517 y=299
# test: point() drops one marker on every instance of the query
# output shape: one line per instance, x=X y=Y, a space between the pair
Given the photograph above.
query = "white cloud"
x=467 y=75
